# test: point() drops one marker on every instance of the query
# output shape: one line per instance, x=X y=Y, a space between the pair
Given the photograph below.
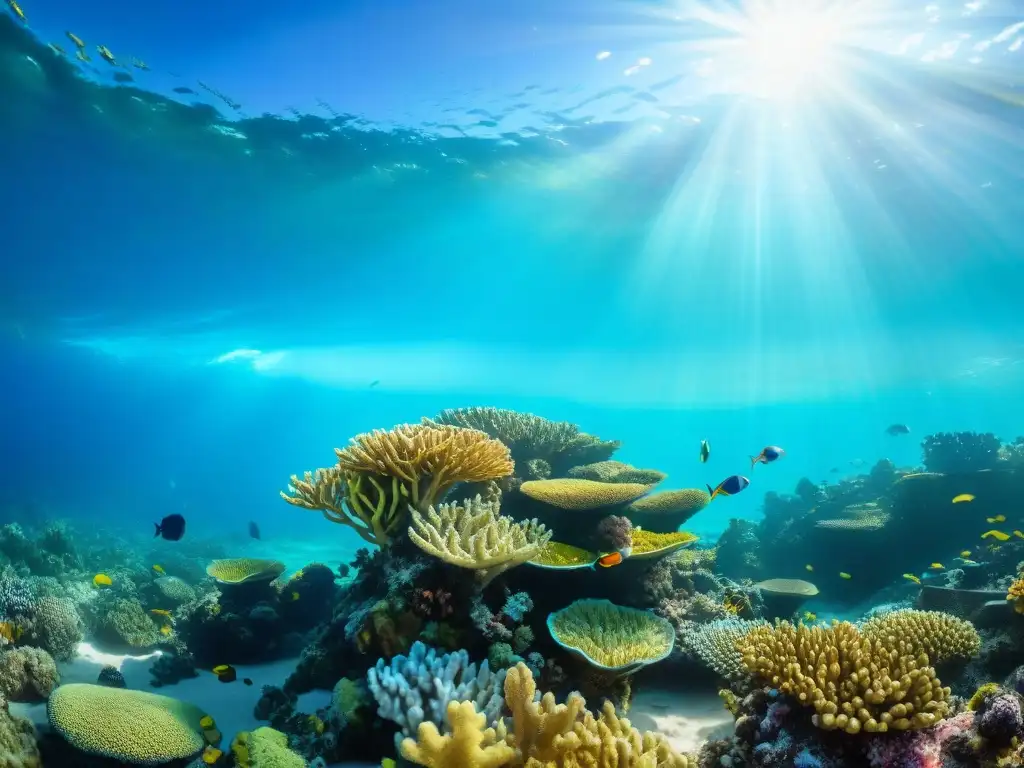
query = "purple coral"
x=617 y=531
x=917 y=749
x=999 y=719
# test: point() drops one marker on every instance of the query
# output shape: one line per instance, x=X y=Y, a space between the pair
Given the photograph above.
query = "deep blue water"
x=657 y=256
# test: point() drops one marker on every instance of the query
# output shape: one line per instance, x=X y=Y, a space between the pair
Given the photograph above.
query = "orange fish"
x=613 y=558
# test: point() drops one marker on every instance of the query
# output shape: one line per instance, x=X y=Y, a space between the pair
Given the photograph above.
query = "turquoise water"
x=655 y=221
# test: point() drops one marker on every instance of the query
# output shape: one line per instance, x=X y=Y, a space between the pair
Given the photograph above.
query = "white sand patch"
x=686 y=719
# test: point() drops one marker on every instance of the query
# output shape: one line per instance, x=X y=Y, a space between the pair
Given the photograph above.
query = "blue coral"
x=417 y=688
x=517 y=606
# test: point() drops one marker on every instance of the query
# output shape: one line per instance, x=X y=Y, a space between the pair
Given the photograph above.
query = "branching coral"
x=611 y=637
x=27 y=674
x=960 y=452
x=715 y=645
x=940 y=636
x=543 y=734
x=852 y=682
x=474 y=535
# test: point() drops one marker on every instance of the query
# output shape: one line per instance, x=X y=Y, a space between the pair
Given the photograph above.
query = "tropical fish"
x=159 y=569
x=139 y=64
x=57 y=49
x=911 y=577
x=16 y=10
x=247 y=680
x=225 y=673
x=165 y=629
x=844 y=575
x=374 y=383
x=106 y=55
x=171 y=527
x=809 y=568
x=79 y=43
x=994 y=534
x=897 y=429
x=965 y=553
x=937 y=567
x=965 y=561
x=254 y=530
x=295 y=596
x=211 y=755
x=159 y=612
x=388 y=762
x=767 y=455
x=101 y=580
x=705 y=451
x=728 y=487
x=1018 y=534
x=10 y=631
x=81 y=55
x=613 y=558
x=962 y=498
x=996 y=519
x=206 y=723
x=808 y=616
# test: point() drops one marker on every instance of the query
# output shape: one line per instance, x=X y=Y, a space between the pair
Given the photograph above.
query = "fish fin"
x=711 y=491
x=754 y=460
x=157 y=526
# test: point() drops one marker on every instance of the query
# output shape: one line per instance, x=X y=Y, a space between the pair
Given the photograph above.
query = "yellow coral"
x=264 y=748
x=134 y=727
x=688 y=501
x=612 y=637
x=570 y=493
x=983 y=692
x=474 y=535
x=617 y=472
x=853 y=683
x=1016 y=594
x=940 y=636
x=243 y=570
x=557 y=555
x=650 y=544
x=544 y=735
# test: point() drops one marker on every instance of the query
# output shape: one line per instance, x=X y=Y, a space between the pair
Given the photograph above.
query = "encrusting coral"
x=570 y=493
x=420 y=463
x=940 y=636
x=543 y=734
x=474 y=535
x=612 y=637
x=853 y=683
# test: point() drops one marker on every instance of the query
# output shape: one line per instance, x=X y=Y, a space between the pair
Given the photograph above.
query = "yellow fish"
x=911 y=577
x=159 y=569
x=962 y=498
x=993 y=534
x=206 y=722
x=159 y=612
x=165 y=629
x=16 y=10
x=808 y=616
x=81 y=55
x=996 y=519
x=79 y=43
x=388 y=762
x=965 y=561
x=1018 y=534
x=101 y=580
x=211 y=755
x=107 y=56
x=844 y=575
x=295 y=596
x=809 y=567
x=937 y=566
x=965 y=553
x=10 y=631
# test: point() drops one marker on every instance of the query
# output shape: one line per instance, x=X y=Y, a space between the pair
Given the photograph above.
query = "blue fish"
x=768 y=454
x=731 y=485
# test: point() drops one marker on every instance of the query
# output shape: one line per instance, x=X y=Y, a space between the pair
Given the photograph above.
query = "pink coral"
x=916 y=749
x=617 y=531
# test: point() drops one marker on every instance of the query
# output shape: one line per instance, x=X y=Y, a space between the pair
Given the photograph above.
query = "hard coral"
x=17 y=740
x=960 y=452
x=941 y=636
x=27 y=674
x=55 y=626
x=573 y=494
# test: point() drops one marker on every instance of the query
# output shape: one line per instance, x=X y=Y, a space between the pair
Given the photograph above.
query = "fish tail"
x=711 y=491
x=754 y=460
x=157 y=526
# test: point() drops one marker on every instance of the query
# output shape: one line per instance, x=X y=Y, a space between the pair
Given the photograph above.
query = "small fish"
x=809 y=568
x=767 y=455
x=965 y=553
x=844 y=575
x=139 y=64
x=159 y=569
x=705 y=451
x=994 y=534
x=101 y=580
x=388 y=762
x=81 y=55
x=165 y=629
x=962 y=498
x=206 y=723
x=965 y=561
x=834 y=470
x=731 y=485
x=994 y=547
x=225 y=673
x=613 y=558
x=211 y=755
x=897 y=429
x=57 y=49
x=171 y=527
x=911 y=577
x=16 y=10
x=254 y=530
x=937 y=567
x=808 y=616
x=1018 y=534
x=374 y=383
x=996 y=519
x=159 y=612
x=10 y=631
x=182 y=89
x=295 y=596
x=247 y=680
x=79 y=43
x=106 y=55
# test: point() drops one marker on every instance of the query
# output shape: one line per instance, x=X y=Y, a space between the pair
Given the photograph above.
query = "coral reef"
x=27 y=674
x=948 y=452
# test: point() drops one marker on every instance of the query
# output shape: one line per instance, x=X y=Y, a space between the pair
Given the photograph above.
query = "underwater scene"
x=590 y=384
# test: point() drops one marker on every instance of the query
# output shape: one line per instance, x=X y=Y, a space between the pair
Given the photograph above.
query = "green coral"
x=612 y=637
x=134 y=727
x=264 y=748
x=557 y=555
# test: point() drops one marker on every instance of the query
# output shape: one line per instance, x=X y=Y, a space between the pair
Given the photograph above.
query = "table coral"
x=573 y=494
x=852 y=682
x=616 y=472
x=541 y=734
x=665 y=511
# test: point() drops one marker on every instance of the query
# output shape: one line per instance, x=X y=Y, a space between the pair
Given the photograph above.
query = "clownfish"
x=613 y=558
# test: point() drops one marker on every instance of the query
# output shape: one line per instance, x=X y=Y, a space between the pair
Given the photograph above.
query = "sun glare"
x=786 y=52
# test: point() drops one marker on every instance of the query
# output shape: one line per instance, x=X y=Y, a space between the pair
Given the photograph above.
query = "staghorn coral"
x=611 y=637
x=940 y=636
x=542 y=734
x=135 y=727
x=474 y=535
x=852 y=682
x=569 y=493
x=715 y=645
x=244 y=570
x=27 y=674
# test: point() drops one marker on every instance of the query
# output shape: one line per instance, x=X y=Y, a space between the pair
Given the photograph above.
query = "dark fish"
x=171 y=527
x=123 y=77
x=834 y=470
x=897 y=429
x=731 y=485
x=768 y=454
x=254 y=530
x=374 y=383
x=247 y=680
x=182 y=89
x=705 y=451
